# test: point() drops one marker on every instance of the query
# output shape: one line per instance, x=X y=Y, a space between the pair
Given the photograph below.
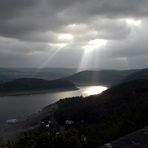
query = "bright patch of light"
x=65 y=37
x=94 y=44
x=133 y=22
x=94 y=90
x=94 y=32
x=77 y=27
x=72 y=26
x=58 y=45
x=99 y=42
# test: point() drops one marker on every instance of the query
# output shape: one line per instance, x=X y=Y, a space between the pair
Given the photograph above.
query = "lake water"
x=18 y=107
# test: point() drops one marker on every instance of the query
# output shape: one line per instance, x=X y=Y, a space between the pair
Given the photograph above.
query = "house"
x=69 y=122
x=108 y=145
x=47 y=125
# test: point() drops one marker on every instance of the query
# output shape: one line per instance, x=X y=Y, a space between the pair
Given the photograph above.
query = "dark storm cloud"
x=13 y=8
x=119 y=8
x=103 y=7
x=31 y=30
x=25 y=16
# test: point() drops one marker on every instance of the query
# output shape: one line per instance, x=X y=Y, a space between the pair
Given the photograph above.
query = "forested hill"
x=29 y=84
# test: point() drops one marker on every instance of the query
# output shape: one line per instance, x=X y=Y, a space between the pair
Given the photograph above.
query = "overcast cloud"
x=74 y=33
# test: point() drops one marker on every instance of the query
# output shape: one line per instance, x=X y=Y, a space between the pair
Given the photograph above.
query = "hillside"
x=31 y=84
x=136 y=139
x=117 y=112
x=141 y=74
x=104 y=77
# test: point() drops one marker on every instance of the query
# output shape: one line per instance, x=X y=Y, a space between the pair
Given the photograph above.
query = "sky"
x=82 y=34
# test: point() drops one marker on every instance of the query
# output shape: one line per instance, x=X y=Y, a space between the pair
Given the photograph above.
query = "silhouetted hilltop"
x=28 y=84
x=103 y=77
x=133 y=87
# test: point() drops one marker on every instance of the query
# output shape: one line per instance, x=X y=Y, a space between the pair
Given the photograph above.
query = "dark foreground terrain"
x=138 y=139
x=91 y=121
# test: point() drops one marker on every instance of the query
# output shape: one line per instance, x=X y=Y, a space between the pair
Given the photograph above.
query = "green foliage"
x=38 y=139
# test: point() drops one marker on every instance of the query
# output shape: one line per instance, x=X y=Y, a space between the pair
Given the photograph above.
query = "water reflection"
x=92 y=90
x=17 y=107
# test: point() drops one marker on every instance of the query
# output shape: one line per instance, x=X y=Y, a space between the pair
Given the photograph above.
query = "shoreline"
x=34 y=92
x=10 y=132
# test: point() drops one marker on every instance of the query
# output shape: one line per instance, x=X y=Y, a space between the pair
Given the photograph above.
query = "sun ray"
x=93 y=46
x=84 y=61
x=46 y=61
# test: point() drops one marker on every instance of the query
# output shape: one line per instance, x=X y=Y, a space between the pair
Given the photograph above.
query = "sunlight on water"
x=13 y=108
x=93 y=90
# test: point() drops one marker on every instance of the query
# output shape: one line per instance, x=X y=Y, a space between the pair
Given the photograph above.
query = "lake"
x=19 y=107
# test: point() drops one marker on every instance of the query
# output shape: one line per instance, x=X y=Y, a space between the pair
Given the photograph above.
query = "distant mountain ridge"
x=103 y=77
x=9 y=74
x=88 y=77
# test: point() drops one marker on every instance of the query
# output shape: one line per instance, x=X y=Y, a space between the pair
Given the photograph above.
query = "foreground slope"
x=138 y=139
x=117 y=112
